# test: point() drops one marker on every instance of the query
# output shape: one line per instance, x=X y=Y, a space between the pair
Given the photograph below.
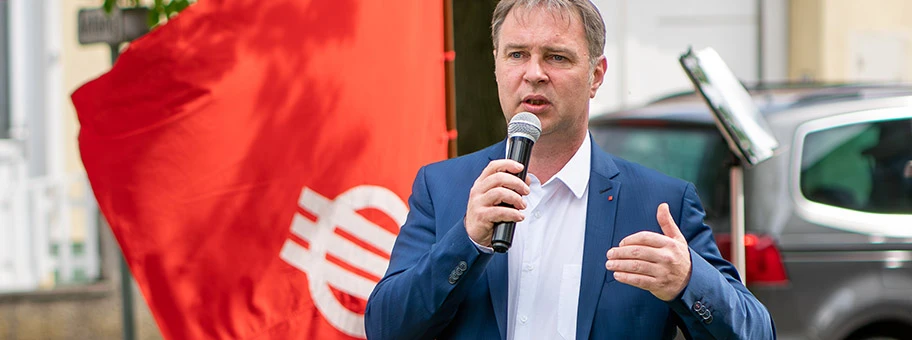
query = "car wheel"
x=883 y=331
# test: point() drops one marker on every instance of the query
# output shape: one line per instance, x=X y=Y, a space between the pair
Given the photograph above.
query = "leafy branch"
x=159 y=10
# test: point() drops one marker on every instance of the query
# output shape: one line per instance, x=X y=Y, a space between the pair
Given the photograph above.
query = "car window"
x=865 y=167
x=696 y=155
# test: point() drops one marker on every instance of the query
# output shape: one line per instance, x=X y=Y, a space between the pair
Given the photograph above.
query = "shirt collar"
x=575 y=174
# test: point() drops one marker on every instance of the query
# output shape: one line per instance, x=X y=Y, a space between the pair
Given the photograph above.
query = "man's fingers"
x=636 y=252
x=646 y=238
x=505 y=180
x=634 y=267
x=501 y=165
x=495 y=215
x=496 y=185
x=637 y=280
x=669 y=228
x=496 y=196
x=661 y=286
x=655 y=262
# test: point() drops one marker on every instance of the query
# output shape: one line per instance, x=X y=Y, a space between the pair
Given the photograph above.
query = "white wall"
x=851 y=41
x=48 y=203
x=646 y=37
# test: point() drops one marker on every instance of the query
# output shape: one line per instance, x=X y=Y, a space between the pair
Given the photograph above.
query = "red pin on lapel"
x=610 y=198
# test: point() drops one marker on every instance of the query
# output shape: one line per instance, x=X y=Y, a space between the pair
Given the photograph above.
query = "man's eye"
x=515 y=55
x=558 y=58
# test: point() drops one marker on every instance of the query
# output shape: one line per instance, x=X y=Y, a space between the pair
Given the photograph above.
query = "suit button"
x=708 y=320
x=697 y=306
x=452 y=279
x=462 y=266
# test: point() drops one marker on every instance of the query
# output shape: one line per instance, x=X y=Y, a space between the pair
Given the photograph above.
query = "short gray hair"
x=592 y=20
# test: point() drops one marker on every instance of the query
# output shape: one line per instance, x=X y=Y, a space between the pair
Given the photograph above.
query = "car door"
x=848 y=246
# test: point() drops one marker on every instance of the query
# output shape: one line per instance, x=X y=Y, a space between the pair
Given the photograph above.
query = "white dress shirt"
x=545 y=259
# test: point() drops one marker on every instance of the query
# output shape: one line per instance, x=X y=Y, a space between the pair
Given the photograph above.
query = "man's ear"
x=495 y=65
x=598 y=75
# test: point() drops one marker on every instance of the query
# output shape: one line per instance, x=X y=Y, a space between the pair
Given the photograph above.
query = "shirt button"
x=528 y=267
x=537 y=214
x=523 y=319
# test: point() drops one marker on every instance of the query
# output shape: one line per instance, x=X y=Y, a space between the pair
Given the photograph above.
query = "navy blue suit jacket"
x=439 y=285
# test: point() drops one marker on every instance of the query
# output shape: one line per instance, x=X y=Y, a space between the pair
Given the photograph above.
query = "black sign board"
x=121 y=25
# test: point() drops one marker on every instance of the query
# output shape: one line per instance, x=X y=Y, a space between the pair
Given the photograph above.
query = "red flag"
x=253 y=159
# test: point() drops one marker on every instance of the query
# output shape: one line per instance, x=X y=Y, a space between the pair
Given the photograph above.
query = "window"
x=865 y=167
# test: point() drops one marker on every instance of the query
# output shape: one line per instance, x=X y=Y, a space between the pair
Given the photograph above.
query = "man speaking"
x=603 y=248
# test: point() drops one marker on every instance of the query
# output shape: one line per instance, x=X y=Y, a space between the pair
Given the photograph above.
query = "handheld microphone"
x=522 y=132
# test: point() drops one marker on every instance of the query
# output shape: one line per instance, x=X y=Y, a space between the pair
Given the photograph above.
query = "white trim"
x=19 y=19
x=53 y=153
x=16 y=272
x=36 y=210
x=887 y=225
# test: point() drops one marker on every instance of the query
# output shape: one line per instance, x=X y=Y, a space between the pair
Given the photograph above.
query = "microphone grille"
x=525 y=124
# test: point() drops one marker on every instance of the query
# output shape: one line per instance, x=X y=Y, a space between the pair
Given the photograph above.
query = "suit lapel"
x=600 y=218
x=497 y=268
x=497 y=282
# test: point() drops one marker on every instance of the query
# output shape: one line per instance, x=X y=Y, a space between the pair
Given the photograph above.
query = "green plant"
x=159 y=9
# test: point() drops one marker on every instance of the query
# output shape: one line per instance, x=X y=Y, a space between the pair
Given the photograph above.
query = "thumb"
x=669 y=228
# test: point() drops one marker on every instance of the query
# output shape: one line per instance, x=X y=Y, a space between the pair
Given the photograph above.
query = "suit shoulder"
x=463 y=163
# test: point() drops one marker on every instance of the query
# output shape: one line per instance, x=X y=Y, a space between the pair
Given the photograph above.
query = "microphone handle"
x=520 y=150
x=503 y=236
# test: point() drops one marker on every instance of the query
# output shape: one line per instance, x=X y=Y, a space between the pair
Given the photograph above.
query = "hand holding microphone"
x=496 y=196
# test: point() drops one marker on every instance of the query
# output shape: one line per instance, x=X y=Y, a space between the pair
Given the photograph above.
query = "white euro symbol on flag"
x=321 y=235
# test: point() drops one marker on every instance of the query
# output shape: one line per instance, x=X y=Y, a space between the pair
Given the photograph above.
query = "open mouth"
x=535 y=101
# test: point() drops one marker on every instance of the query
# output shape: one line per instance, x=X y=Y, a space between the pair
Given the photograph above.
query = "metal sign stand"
x=737 y=219
x=749 y=137
x=126 y=280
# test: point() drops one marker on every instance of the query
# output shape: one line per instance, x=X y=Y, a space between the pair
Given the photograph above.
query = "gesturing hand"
x=494 y=186
x=654 y=262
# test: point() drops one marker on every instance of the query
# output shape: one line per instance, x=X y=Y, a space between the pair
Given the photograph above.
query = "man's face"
x=542 y=66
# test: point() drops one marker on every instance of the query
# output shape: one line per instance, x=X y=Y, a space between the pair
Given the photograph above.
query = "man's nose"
x=535 y=73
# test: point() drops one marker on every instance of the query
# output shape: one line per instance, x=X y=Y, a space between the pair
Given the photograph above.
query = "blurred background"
x=59 y=265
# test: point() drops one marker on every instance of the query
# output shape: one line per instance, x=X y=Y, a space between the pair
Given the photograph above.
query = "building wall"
x=81 y=63
x=81 y=312
x=646 y=37
x=851 y=41
x=77 y=311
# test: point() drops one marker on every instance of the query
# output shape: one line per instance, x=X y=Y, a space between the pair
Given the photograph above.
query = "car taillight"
x=762 y=259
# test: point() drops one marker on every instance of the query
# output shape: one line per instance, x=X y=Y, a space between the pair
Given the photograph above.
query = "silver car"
x=828 y=217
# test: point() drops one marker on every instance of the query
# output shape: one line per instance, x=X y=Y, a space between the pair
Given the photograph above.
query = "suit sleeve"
x=428 y=276
x=715 y=305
